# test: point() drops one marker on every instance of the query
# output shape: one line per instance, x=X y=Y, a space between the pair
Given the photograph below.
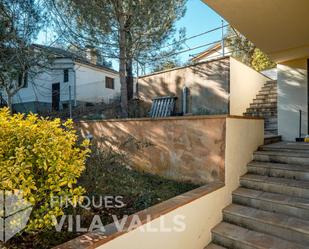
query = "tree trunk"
x=129 y=61
x=10 y=102
x=129 y=69
x=122 y=67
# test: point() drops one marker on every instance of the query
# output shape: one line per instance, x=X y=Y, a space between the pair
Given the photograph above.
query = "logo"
x=14 y=213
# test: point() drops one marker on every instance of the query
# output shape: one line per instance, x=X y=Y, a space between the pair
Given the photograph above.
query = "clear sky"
x=198 y=18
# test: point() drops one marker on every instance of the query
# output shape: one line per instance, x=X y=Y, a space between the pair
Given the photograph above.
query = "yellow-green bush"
x=41 y=158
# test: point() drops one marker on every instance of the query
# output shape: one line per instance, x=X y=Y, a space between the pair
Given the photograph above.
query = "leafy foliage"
x=20 y=22
x=41 y=158
x=247 y=52
x=165 y=65
x=261 y=61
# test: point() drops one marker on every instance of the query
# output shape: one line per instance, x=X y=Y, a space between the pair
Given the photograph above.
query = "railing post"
x=222 y=41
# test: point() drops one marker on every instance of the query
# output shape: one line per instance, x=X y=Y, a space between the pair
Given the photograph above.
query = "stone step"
x=284 y=186
x=277 y=203
x=262 y=109
x=232 y=236
x=287 y=147
x=266 y=96
x=290 y=171
x=261 y=114
x=267 y=133
x=270 y=123
x=270 y=139
x=263 y=105
x=266 y=87
x=268 y=91
x=274 y=224
x=271 y=130
x=269 y=100
x=214 y=246
x=282 y=157
x=271 y=120
x=271 y=82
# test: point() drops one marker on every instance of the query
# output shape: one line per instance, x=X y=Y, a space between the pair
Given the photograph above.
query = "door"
x=55 y=96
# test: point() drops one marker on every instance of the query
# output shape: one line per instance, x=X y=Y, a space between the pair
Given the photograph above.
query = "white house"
x=211 y=53
x=80 y=79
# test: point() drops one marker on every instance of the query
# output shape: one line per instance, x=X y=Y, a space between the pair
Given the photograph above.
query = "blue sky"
x=198 y=18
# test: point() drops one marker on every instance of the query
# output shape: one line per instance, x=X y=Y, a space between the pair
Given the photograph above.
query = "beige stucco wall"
x=180 y=148
x=208 y=83
x=243 y=137
x=292 y=97
x=245 y=83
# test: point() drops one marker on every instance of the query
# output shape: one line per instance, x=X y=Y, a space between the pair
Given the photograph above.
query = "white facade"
x=292 y=97
x=212 y=53
x=87 y=84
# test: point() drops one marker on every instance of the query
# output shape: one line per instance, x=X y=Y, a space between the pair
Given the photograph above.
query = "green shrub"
x=41 y=158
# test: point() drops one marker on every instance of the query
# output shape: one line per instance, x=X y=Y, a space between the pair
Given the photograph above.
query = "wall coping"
x=95 y=239
x=182 y=67
x=193 y=117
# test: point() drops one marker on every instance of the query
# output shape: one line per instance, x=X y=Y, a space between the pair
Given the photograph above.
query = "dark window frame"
x=109 y=82
x=66 y=75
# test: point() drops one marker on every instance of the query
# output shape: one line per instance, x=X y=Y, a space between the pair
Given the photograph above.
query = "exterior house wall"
x=87 y=85
x=208 y=84
x=90 y=84
x=180 y=148
x=212 y=54
x=38 y=95
x=245 y=83
x=292 y=97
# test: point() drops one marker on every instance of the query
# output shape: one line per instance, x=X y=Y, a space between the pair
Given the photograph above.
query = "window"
x=20 y=80
x=109 y=83
x=66 y=75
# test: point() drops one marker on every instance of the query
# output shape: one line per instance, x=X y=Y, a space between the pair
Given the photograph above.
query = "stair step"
x=261 y=114
x=290 y=171
x=282 y=157
x=268 y=100
x=278 y=203
x=270 y=139
x=279 y=225
x=268 y=91
x=232 y=236
x=266 y=96
x=214 y=246
x=262 y=109
x=284 y=186
x=263 y=105
x=287 y=147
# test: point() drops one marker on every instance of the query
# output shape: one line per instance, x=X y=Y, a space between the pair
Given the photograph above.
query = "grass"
x=107 y=174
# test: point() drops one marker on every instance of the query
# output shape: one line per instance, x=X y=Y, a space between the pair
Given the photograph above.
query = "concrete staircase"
x=271 y=208
x=265 y=105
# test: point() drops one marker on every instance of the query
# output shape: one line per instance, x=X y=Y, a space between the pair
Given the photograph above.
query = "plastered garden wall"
x=201 y=208
x=180 y=148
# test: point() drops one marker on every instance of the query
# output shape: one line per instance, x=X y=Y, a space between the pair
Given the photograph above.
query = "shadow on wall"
x=292 y=97
x=208 y=83
x=183 y=149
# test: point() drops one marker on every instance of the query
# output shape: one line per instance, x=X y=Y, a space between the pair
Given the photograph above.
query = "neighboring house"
x=83 y=80
x=213 y=52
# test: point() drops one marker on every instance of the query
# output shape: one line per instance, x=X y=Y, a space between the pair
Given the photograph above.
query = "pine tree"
x=126 y=30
